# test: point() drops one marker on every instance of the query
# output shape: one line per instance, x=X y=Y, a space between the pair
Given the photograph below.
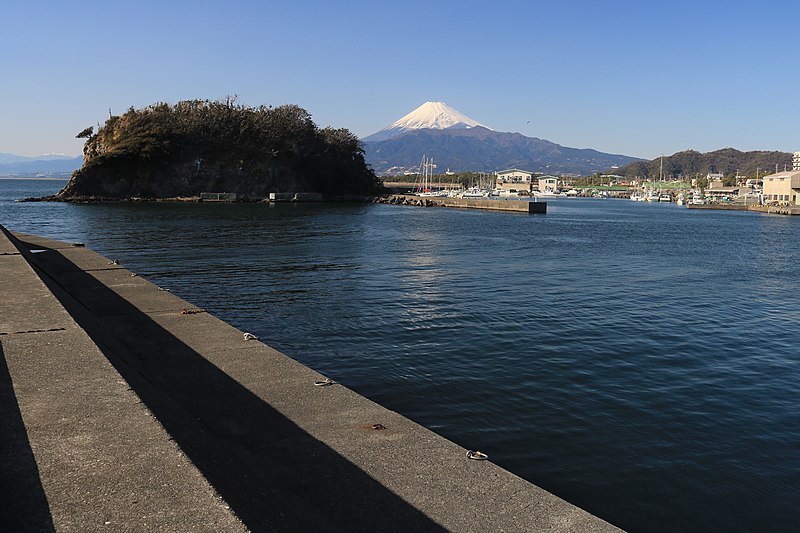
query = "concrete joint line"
x=32 y=331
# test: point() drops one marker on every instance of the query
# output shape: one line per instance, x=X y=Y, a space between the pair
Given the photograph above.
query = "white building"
x=514 y=179
x=548 y=184
x=714 y=180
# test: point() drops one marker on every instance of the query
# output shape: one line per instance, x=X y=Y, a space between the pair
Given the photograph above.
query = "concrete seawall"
x=769 y=209
x=530 y=207
x=125 y=407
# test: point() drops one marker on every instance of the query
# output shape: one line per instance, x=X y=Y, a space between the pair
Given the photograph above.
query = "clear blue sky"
x=632 y=77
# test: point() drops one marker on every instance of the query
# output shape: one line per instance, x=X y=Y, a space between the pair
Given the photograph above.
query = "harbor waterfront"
x=637 y=360
x=111 y=374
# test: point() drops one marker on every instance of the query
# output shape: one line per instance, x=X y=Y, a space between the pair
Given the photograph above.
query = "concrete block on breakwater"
x=295 y=197
x=137 y=410
x=516 y=206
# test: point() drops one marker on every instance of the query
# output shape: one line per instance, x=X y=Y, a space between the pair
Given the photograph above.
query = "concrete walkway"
x=85 y=347
x=78 y=449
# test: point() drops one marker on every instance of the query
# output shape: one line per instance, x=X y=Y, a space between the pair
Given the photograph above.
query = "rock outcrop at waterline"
x=181 y=150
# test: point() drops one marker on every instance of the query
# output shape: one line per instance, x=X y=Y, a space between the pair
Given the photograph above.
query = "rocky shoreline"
x=346 y=198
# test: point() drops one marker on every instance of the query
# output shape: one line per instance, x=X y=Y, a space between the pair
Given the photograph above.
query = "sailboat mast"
x=424 y=177
x=428 y=174
x=421 y=176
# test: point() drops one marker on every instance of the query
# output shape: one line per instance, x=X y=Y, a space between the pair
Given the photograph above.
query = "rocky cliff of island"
x=182 y=150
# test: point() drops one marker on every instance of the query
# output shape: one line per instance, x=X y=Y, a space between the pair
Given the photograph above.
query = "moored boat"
x=549 y=193
x=475 y=192
x=698 y=199
x=637 y=196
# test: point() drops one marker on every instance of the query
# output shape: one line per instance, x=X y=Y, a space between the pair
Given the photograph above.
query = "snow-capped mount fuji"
x=462 y=144
x=430 y=115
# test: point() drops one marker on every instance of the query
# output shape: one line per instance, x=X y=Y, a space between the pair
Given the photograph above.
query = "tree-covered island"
x=195 y=146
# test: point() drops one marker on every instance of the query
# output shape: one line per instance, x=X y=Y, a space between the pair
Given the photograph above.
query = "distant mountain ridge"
x=459 y=143
x=50 y=164
x=727 y=161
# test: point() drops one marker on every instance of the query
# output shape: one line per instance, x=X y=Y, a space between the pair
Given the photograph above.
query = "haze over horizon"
x=621 y=77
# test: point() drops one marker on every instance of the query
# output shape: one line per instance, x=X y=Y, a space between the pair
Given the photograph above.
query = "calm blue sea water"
x=639 y=360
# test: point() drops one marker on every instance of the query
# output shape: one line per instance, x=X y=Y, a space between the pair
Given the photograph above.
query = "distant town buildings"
x=784 y=187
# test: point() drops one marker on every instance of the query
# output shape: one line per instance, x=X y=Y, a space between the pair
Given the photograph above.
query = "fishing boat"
x=475 y=192
x=637 y=196
x=549 y=193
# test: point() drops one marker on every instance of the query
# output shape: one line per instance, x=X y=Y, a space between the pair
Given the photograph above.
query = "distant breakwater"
x=770 y=209
x=516 y=206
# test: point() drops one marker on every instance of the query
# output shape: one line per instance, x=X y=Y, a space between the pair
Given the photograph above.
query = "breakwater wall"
x=128 y=408
x=516 y=206
x=770 y=209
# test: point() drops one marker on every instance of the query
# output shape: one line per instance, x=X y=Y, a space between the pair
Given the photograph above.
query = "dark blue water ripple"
x=637 y=360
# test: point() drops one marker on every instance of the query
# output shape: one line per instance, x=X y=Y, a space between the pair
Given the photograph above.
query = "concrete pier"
x=126 y=408
x=516 y=206
x=79 y=449
x=769 y=209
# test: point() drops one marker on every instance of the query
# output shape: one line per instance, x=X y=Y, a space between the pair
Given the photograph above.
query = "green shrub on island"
x=194 y=146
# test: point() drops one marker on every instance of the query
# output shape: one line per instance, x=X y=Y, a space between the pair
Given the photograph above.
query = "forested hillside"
x=198 y=146
x=728 y=161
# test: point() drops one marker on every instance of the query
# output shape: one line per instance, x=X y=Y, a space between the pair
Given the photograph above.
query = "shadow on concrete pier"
x=273 y=474
x=23 y=504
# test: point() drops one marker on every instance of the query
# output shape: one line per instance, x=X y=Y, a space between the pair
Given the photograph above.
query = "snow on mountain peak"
x=433 y=115
x=436 y=115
